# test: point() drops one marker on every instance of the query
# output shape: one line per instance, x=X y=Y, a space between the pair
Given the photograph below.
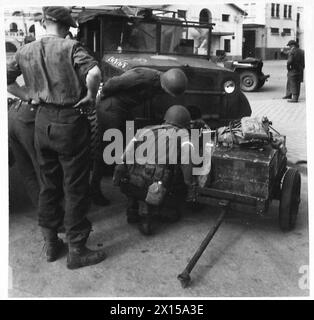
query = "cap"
x=292 y=43
x=59 y=14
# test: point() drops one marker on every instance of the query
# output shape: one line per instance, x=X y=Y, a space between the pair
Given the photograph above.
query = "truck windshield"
x=138 y=36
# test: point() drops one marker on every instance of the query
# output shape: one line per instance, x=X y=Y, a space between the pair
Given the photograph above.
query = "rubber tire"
x=289 y=200
x=248 y=81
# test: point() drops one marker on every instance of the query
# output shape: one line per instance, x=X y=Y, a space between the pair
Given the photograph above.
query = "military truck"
x=128 y=37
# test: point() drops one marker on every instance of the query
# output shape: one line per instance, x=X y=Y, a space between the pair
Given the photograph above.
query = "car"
x=122 y=39
x=250 y=71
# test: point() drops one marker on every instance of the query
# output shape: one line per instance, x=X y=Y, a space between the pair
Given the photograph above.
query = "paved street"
x=249 y=255
x=288 y=118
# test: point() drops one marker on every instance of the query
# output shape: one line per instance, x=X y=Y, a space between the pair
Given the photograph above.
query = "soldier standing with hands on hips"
x=63 y=79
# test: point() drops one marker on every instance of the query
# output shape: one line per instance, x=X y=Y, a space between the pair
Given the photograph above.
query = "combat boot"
x=81 y=256
x=53 y=244
x=294 y=99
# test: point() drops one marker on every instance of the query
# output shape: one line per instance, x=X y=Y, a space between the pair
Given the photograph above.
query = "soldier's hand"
x=85 y=105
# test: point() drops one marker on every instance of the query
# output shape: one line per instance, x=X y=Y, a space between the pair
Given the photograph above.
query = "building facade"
x=227 y=33
x=268 y=26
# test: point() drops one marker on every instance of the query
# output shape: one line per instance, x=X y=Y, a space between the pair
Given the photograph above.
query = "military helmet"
x=59 y=14
x=174 y=81
x=178 y=115
x=292 y=43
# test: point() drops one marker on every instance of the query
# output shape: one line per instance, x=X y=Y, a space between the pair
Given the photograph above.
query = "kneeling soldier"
x=157 y=178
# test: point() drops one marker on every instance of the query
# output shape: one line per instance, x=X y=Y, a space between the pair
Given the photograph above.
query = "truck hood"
x=126 y=61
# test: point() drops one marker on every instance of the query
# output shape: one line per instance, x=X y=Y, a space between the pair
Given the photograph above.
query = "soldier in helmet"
x=158 y=178
x=121 y=94
x=295 y=66
x=63 y=79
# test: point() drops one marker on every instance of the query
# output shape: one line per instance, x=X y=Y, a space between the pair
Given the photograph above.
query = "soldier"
x=123 y=93
x=64 y=79
x=295 y=66
x=151 y=184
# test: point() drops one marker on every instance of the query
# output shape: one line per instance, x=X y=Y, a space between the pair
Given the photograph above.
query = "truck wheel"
x=248 y=81
x=289 y=200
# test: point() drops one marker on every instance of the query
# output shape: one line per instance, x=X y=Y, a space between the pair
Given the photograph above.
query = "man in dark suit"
x=295 y=66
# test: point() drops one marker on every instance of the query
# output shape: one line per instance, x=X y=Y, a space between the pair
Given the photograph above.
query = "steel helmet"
x=178 y=116
x=174 y=81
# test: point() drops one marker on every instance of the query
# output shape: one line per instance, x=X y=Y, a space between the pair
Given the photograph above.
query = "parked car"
x=252 y=77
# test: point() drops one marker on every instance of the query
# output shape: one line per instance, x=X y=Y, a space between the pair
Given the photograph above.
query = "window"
x=289 y=12
x=272 y=9
x=277 y=10
x=13 y=27
x=225 y=17
x=287 y=31
x=285 y=11
x=227 y=45
x=205 y=16
x=274 y=30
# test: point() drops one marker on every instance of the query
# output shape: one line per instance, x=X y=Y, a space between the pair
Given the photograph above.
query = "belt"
x=56 y=106
x=81 y=111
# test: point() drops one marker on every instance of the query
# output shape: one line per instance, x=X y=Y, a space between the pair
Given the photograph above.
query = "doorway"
x=248 y=48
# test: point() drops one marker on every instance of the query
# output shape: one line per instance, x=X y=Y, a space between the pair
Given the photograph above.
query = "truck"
x=122 y=38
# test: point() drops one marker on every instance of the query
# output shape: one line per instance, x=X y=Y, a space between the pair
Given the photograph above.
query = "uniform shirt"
x=163 y=144
x=295 y=62
x=134 y=86
x=54 y=70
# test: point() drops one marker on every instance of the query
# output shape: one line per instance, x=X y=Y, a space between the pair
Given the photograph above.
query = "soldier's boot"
x=294 y=99
x=53 y=244
x=81 y=256
x=287 y=96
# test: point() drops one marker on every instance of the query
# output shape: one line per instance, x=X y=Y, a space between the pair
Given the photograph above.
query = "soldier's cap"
x=59 y=14
x=292 y=43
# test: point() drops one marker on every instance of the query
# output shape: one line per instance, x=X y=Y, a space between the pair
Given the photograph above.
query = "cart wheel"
x=289 y=199
x=248 y=81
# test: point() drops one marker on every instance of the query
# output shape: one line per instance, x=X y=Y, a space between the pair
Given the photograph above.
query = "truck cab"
x=123 y=38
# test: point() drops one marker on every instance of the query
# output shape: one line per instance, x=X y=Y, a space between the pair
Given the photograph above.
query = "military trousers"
x=62 y=142
x=21 y=125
